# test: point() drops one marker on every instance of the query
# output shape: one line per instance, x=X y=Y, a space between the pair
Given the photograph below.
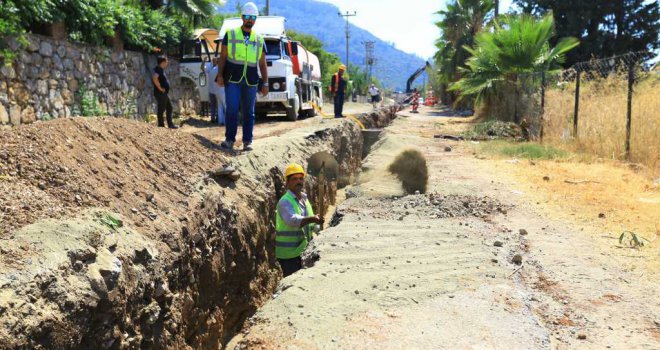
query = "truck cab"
x=196 y=50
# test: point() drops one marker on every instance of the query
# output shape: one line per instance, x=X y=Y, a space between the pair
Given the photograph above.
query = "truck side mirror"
x=202 y=79
x=294 y=48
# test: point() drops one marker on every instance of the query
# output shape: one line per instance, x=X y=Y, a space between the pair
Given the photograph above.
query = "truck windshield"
x=273 y=49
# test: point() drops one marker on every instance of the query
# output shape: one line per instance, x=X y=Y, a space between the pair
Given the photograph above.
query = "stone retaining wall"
x=47 y=79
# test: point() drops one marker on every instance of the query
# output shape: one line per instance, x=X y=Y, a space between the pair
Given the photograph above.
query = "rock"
x=33 y=44
x=8 y=72
x=517 y=259
x=161 y=289
x=601 y=215
x=36 y=59
x=42 y=87
x=61 y=50
x=523 y=232
x=546 y=178
x=28 y=116
x=15 y=115
x=68 y=64
x=4 y=116
x=46 y=49
x=67 y=96
x=151 y=313
x=498 y=243
x=447 y=148
x=73 y=84
x=582 y=336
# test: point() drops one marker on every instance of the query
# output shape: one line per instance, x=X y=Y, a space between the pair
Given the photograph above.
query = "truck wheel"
x=260 y=115
x=292 y=112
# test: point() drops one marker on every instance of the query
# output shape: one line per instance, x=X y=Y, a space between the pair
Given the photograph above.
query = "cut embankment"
x=121 y=239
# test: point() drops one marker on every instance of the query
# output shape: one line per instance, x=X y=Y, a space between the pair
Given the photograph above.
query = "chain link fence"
x=608 y=107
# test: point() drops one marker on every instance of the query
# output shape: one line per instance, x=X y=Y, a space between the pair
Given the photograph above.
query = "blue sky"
x=408 y=24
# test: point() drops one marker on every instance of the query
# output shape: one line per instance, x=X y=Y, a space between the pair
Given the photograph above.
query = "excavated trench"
x=96 y=280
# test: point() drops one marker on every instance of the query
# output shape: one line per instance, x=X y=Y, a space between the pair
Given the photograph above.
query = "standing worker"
x=161 y=89
x=338 y=88
x=242 y=50
x=374 y=92
x=295 y=221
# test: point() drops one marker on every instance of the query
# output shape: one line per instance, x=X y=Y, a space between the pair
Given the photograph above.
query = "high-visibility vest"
x=291 y=241
x=242 y=58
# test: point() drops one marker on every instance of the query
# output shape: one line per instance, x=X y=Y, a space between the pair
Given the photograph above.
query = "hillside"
x=320 y=19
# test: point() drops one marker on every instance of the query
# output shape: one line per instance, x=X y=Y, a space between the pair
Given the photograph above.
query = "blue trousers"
x=237 y=95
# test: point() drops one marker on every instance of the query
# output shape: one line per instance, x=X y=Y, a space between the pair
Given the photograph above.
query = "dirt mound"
x=410 y=167
x=59 y=167
x=434 y=206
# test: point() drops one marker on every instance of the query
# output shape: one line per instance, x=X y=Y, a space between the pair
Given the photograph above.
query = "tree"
x=460 y=22
x=605 y=27
x=517 y=44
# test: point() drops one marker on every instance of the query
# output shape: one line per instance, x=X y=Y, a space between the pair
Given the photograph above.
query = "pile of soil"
x=434 y=205
x=57 y=168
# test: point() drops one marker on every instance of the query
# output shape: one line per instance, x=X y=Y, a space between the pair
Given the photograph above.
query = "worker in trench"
x=295 y=221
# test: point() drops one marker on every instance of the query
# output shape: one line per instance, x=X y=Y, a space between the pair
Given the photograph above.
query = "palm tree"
x=516 y=45
x=460 y=23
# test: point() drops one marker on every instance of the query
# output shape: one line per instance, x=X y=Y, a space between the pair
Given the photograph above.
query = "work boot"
x=173 y=127
x=247 y=146
x=227 y=145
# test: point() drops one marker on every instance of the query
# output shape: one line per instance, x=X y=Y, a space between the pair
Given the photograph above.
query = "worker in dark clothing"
x=161 y=89
x=338 y=89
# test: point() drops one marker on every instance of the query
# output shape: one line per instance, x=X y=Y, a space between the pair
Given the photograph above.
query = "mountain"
x=320 y=19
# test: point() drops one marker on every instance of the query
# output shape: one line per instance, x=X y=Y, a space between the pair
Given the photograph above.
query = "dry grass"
x=602 y=119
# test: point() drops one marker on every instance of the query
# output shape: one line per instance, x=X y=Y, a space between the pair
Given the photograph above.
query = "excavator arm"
x=415 y=75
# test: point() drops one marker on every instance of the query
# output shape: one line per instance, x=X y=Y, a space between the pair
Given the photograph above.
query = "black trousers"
x=339 y=105
x=290 y=266
x=163 y=105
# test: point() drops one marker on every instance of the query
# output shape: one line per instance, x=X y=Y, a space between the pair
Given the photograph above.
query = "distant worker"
x=294 y=222
x=242 y=50
x=161 y=89
x=415 y=101
x=374 y=92
x=338 y=89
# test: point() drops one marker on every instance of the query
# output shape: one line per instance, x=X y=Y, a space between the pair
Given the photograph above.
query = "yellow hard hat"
x=342 y=67
x=293 y=168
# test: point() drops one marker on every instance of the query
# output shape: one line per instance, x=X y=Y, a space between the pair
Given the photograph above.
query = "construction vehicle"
x=194 y=51
x=294 y=73
x=415 y=76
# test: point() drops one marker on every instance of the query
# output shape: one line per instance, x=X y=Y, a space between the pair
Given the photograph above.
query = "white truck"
x=200 y=46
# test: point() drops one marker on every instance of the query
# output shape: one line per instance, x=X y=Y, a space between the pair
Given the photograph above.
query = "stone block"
x=42 y=87
x=68 y=64
x=72 y=84
x=46 y=49
x=15 y=115
x=36 y=59
x=61 y=50
x=8 y=72
x=4 y=116
x=28 y=116
x=33 y=44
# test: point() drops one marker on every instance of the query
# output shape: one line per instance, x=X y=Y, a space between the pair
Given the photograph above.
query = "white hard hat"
x=250 y=9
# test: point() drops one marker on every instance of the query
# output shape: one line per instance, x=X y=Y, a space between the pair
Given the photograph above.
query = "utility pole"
x=347 y=32
x=369 y=59
x=267 y=7
x=497 y=7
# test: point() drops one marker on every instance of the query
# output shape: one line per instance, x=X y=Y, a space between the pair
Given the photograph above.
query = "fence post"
x=631 y=79
x=542 y=105
x=577 y=102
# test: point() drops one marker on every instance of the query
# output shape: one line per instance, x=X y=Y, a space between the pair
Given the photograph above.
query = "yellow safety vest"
x=245 y=56
x=291 y=241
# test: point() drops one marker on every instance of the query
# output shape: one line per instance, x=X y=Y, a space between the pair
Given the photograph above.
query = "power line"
x=347 y=32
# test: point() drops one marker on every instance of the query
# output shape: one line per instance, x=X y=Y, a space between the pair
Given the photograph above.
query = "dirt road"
x=439 y=271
